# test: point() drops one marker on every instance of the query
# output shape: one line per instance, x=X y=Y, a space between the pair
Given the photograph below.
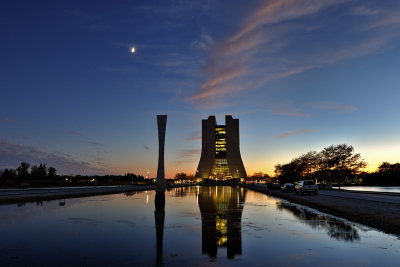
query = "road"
x=387 y=198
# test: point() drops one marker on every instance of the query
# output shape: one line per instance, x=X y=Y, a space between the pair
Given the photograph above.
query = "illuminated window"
x=222 y=228
x=220 y=168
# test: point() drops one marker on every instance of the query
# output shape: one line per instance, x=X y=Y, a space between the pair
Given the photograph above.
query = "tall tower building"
x=220 y=154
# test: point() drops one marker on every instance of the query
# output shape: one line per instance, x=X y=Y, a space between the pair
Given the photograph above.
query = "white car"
x=306 y=186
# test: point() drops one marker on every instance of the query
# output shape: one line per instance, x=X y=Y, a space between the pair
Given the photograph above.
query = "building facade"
x=220 y=154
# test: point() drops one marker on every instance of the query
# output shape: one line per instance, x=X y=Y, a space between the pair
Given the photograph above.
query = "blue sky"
x=299 y=75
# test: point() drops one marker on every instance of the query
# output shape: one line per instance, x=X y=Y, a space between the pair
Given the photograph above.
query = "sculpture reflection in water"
x=221 y=215
x=335 y=228
x=159 y=216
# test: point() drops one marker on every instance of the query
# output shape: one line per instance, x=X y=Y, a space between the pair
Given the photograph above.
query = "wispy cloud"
x=285 y=108
x=188 y=156
x=268 y=46
x=99 y=147
x=334 y=106
x=194 y=136
x=12 y=154
x=366 y=11
x=7 y=120
x=357 y=49
x=232 y=58
x=95 y=143
x=204 y=42
x=289 y=134
x=190 y=153
x=280 y=10
x=77 y=133
x=386 y=19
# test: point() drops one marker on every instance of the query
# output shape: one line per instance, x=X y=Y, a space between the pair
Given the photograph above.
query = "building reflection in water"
x=159 y=216
x=221 y=210
x=335 y=228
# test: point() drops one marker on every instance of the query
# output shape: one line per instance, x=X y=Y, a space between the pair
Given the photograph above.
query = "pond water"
x=194 y=226
x=387 y=189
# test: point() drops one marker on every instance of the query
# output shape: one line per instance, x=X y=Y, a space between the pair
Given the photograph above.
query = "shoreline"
x=381 y=214
x=15 y=196
x=42 y=194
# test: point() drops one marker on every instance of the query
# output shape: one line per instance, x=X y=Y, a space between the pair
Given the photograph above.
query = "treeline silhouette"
x=387 y=174
x=25 y=175
x=336 y=164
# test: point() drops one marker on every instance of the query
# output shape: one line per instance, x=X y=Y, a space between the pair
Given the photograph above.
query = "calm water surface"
x=195 y=226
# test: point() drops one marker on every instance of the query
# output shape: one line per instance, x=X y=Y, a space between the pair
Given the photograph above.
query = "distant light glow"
x=133 y=50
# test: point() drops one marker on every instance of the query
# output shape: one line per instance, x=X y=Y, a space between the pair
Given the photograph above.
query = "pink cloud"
x=285 y=108
x=301 y=131
x=334 y=106
x=252 y=56
x=232 y=59
x=12 y=154
x=77 y=133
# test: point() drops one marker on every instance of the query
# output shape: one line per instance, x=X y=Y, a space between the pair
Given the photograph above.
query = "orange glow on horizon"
x=373 y=155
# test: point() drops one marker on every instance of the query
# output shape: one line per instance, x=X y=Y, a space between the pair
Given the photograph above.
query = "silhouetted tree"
x=190 y=177
x=23 y=170
x=52 y=173
x=180 y=176
x=384 y=167
x=310 y=163
x=258 y=174
x=131 y=177
x=39 y=173
x=334 y=163
x=42 y=171
x=9 y=174
x=341 y=161
x=287 y=173
x=387 y=174
x=292 y=171
x=35 y=172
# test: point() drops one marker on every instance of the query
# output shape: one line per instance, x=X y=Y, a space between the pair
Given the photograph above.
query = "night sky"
x=299 y=75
